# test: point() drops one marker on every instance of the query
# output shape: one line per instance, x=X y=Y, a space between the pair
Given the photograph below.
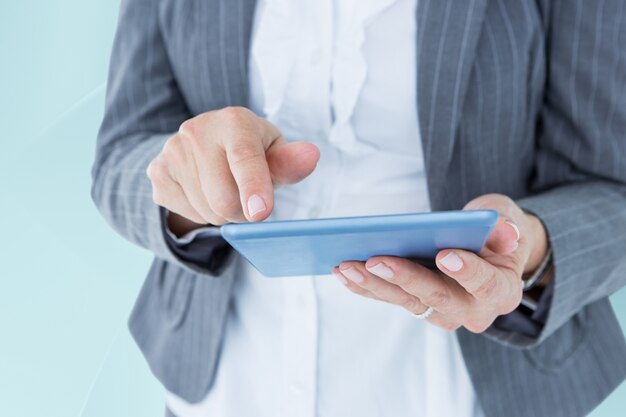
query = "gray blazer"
x=525 y=98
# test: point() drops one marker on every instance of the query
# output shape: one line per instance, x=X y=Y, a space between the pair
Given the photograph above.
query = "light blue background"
x=68 y=282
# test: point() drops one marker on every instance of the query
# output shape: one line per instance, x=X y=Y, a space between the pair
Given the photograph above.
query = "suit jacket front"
x=524 y=98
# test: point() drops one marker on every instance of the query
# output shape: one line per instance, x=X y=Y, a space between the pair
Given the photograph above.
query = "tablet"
x=314 y=247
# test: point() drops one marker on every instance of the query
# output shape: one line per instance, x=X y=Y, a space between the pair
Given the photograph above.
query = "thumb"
x=504 y=237
x=292 y=162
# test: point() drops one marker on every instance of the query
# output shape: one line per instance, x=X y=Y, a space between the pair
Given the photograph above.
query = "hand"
x=220 y=167
x=467 y=289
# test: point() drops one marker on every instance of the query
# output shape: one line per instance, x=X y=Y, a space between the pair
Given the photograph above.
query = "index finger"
x=428 y=286
x=245 y=139
x=484 y=281
x=248 y=164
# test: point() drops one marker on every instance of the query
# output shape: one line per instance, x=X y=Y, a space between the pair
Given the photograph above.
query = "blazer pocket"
x=561 y=346
x=175 y=289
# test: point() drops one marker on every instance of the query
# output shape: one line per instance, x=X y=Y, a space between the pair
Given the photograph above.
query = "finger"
x=377 y=288
x=218 y=185
x=445 y=322
x=247 y=162
x=197 y=201
x=290 y=163
x=484 y=281
x=178 y=163
x=168 y=194
x=244 y=137
x=353 y=287
x=505 y=236
x=384 y=290
x=189 y=182
x=430 y=287
x=246 y=141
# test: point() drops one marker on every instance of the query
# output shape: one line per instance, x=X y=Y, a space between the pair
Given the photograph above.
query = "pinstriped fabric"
x=478 y=127
x=492 y=72
x=568 y=379
x=619 y=38
x=145 y=102
x=203 y=84
x=515 y=91
x=446 y=46
x=435 y=80
x=522 y=98
x=242 y=44
x=456 y=94
x=223 y=24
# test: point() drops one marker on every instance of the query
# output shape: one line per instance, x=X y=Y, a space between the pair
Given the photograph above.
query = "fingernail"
x=452 y=262
x=514 y=226
x=255 y=205
x=353 y=275
x=381 y=270
x=340 y=277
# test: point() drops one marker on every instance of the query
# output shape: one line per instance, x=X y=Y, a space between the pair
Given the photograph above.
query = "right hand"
x=221 y=166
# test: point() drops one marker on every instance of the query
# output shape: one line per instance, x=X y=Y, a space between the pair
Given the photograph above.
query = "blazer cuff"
x=203 y=250
x=526 y=321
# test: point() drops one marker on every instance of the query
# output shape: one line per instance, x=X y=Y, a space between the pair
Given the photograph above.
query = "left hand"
x=467 y=290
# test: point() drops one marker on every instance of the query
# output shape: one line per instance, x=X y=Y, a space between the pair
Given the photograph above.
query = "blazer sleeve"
x=143 y=108
x=580 y=178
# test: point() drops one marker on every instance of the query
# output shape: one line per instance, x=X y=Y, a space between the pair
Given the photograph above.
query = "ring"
x=425 y=314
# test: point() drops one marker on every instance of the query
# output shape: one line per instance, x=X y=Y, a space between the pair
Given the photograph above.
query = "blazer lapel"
x=447 y=34
x=234 y=25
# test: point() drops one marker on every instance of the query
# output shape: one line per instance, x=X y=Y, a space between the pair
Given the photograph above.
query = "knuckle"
x=253 y=185
x=156 y=172
x=214 y=219
x=234 y=115
x=150 y=170
x=226 y=207
x=160 y=197
x=449 y=326
x=475 y=268
x=356 y=289
x=411 y=304
x=243 y=151
x=207 y=216
x=173 y=143
x=403 y=279
x=157 y=198
x=507 y=306
x=513 y=264
x=477 y=325
x=174 y=150
x=512 y=302
x=437 y=299
x=488 y=287
x=188 y=128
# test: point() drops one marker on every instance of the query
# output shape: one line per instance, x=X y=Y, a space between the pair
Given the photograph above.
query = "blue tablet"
x=314 y=247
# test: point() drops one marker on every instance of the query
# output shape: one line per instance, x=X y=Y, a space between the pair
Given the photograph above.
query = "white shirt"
x=340 y=74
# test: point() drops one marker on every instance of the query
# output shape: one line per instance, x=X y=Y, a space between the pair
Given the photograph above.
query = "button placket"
x=301 y=347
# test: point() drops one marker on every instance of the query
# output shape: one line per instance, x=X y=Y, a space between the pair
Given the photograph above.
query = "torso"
x=305 y=346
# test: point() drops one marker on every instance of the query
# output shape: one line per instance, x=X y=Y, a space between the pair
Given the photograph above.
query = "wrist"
x=538 y=244
x=180 y=225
